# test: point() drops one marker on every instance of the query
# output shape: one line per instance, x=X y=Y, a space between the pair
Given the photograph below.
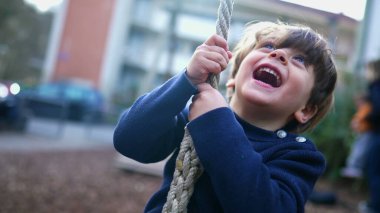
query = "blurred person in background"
x=373 y=163
x=359 y=152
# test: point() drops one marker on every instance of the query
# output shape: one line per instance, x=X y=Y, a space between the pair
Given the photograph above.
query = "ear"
x=230 y=83
x=305 y=114
x=230 y=88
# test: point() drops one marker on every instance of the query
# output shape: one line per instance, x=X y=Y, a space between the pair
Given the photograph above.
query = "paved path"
x=45 y=134
x=49 y=135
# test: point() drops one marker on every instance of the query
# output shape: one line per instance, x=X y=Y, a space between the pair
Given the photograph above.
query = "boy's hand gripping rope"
x=188 y=167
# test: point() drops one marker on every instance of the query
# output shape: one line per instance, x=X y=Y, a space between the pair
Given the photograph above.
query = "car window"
x=48 y=90
x=93 y=97
x=74 y=93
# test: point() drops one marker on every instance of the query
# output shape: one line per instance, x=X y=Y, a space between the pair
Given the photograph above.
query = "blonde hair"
x=318 y=55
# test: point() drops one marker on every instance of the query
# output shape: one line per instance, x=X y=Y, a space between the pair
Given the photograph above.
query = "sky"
x=44 y=5
x=354 y=9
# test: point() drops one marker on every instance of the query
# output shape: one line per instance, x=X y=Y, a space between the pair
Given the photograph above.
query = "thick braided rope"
x=188 y=167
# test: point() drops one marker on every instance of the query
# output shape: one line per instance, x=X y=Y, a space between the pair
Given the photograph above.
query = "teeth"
x=268 y=70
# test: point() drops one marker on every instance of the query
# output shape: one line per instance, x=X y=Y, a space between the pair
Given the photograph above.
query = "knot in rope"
x=188 y=167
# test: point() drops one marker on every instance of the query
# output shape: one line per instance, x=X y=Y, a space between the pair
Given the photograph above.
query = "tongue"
x=266 y=78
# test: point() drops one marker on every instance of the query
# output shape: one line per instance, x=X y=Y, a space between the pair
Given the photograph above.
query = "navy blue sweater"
x=246 y=169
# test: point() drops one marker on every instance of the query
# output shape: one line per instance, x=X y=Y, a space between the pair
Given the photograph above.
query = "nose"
x=280 y=55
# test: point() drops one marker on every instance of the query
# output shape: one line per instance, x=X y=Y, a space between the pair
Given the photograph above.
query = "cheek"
x=241 y=75
x=246 y=67
x=303 y=88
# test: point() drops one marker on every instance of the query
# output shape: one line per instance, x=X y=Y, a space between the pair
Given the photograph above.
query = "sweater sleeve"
x=149 y=130
x=240 y=178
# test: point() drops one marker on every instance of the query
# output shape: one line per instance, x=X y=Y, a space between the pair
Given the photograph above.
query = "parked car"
x=65 y=100
x=12 y=113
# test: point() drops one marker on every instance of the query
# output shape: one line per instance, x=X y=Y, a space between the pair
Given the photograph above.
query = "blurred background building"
x=126 y=47
x=368 y=45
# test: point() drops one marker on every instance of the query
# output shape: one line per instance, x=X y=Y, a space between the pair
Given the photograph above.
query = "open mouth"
x=267 y=76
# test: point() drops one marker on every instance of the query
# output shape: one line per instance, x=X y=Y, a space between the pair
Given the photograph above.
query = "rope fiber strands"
x=188 y=167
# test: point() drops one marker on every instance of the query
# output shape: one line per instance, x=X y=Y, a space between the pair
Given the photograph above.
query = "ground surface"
x=88 y=181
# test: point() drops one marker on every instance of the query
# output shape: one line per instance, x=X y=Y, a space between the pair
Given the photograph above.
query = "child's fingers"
x=215 y=54
x=212 y=59
x=206 y=100
x=220 y=51
x=216 y=49
x=217 y=63
x=216 y=40
x=229 y=53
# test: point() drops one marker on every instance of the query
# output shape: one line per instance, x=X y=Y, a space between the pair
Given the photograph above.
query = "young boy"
x=254 y=160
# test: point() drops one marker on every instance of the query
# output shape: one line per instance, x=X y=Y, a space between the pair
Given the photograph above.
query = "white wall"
x=372 y=43
x=59 y=16
x=113 y=54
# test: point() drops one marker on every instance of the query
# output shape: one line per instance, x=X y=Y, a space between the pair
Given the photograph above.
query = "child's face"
x=276 y=81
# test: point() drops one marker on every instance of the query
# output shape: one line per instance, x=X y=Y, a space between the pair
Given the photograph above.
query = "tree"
x=23 y=40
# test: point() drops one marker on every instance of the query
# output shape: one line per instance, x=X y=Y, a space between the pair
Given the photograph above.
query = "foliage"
x=333 y=136
x=23 y=40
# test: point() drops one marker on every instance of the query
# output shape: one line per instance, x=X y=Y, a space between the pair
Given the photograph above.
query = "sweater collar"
x=259 y=134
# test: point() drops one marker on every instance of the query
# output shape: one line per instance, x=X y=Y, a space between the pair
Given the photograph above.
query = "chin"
x=256 y=98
